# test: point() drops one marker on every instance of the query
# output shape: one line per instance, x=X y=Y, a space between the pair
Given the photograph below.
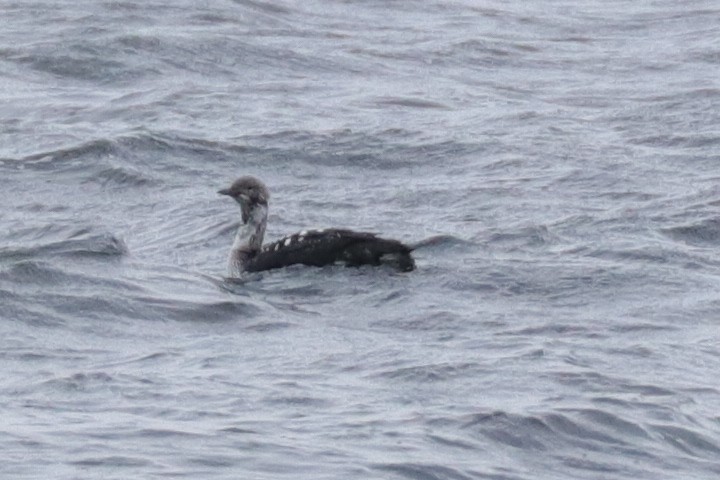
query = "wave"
x=441 y=242
x=569 y=431
x=704 y=232
x=432 y=372
x=423 y=471
x=81 y=243
x=121 y=176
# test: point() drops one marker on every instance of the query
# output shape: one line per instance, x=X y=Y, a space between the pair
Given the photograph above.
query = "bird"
x=308 y=247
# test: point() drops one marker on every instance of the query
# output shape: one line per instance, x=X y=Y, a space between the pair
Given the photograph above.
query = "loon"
x=309 y=247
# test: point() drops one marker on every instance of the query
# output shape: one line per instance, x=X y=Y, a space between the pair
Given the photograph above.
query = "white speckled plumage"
x=308 y=247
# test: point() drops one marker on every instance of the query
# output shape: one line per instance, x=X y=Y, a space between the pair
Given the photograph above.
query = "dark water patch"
x=214 y=19
x=81 y=382
x=300 y=401
x=705 y=232
x=9 y=354
x=148 y=359
x=573 y=39
x=700 y=141
x=614 y=423
x=29 y=271
x=387 y=297
x=432 y=372
x=571 y=428
x=265 y=327
x=648 y=390
x=168 y=433
x=114 y=461
x=271 y=9
x=682 y=97
x=708 y=56
x=409 y=103
x=637 y=351
x=42 y=208
x=238 y=431
x=551 y=329
x=78 y=65
x=640 y=326
x=213 y=461
x=557 y=435
x=589 y=465
x=629 y=196
x=596 y=382
x=35 y=314
x=523 y=432
x=420 y=471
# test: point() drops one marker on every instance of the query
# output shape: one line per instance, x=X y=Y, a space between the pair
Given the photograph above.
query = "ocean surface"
x=558 y=160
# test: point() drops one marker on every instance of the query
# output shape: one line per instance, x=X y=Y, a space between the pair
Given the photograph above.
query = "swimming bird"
x=309 y=247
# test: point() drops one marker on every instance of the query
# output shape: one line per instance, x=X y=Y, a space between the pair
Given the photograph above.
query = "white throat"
x=248 y=239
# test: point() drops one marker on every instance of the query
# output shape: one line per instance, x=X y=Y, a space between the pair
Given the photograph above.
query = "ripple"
x=681 y=141
x=687 y=441
x=523 y=432
x=706 y=232
x=441 y=242
x=529 y=236
x=121 y=176
x=43 y=273
x=432 y=373
x=200 y=311
x=75 y=66
x=70 y=156
x=80 y=382
x=166 y=433
x=419 y=471
x=410 y=103
x=608 y=420
x=82 y=243
x=112 y=461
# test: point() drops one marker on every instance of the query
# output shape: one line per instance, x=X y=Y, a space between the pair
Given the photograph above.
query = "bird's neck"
x=248 y=238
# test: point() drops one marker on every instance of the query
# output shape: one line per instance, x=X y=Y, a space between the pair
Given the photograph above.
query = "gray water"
x=559 y=158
